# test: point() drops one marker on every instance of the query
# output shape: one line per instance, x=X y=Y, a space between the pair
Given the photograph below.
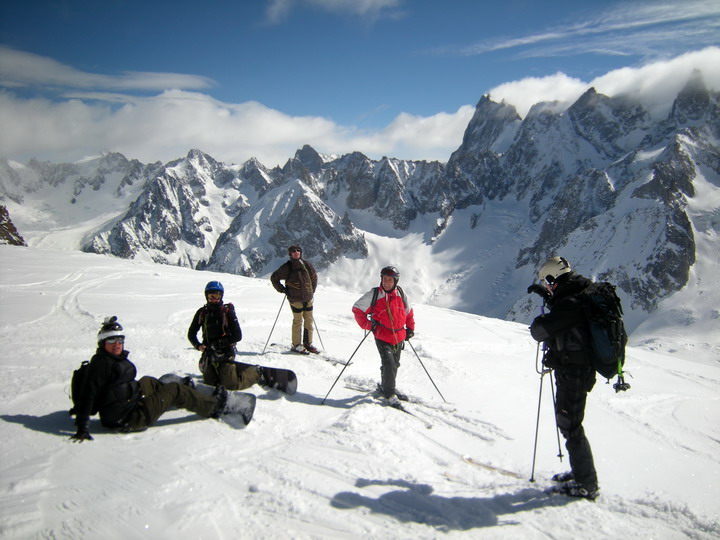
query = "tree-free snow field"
x=349 y=468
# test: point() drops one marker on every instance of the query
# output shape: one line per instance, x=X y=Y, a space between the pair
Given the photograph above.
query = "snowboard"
x=239 y=407
x=283 y=380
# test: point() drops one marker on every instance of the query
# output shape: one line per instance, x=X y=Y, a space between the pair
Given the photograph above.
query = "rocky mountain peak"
x=8 y=233
x=693 y=102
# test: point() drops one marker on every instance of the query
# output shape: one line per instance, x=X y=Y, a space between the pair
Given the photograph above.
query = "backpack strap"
x=376 y=293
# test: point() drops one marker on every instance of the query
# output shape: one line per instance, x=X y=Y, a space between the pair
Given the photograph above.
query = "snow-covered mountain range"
x=623 y=195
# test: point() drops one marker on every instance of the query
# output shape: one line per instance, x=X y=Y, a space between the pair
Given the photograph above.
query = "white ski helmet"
x=553 y=268
x=110 y=328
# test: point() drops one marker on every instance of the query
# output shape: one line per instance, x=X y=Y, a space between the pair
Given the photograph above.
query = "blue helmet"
x=214 y=286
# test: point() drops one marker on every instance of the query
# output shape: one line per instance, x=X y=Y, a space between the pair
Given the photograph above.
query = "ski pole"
x=426 y=371
x=343 y=369
x=537 y=427
x=557 y=428
x=273 y=326
x=317 y=330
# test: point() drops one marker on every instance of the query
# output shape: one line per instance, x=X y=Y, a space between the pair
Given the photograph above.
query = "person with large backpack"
x=301 y=282
x=568 y=351
x=220 y=332
x=387 y=313
x=107 y=385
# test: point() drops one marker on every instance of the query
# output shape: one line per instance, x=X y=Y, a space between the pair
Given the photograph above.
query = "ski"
x=382 y=401
x=289 y=350
x=284 y=350
x=488 y=466
x=372 y=387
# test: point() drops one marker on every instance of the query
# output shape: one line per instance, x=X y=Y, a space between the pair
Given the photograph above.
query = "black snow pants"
x=390 y=357
x=572 y=387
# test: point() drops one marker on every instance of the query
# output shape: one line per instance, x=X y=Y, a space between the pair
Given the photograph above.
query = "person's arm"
x=233 y=327
x=193 y=330
x=313 y=276
x=361 y=310
x=278 y=275
x=94 y=385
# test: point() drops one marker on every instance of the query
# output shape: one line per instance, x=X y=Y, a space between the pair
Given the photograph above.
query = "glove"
x=283 y=290
x=81 y=436
x=540 y=290
x=83 y=432
x=409 y=334
x=537 y=330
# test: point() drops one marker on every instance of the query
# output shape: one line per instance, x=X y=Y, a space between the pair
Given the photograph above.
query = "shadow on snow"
x=415 y=503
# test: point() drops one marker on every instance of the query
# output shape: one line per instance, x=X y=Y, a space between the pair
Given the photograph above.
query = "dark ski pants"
x=572 y=387
x=158 y=398
x=390 y=358
x=232 y=375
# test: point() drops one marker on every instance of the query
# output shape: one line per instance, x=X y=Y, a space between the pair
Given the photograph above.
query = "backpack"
x=224 y=309
x=77 y=383
x=603 y=312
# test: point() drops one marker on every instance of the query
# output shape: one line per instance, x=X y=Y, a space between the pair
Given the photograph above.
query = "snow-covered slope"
x=346 y=469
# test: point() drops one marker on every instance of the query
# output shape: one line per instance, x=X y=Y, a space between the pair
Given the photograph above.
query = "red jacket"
x=389 y=312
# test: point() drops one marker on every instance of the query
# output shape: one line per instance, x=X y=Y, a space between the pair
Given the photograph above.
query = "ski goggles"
x=113 y=340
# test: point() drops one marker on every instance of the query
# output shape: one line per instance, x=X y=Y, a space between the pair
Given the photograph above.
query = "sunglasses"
x=214 y=296
x=114 y=340
x=296 y=251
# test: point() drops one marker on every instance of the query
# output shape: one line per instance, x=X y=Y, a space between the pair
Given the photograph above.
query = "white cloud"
x=20 y=69
x=655 y=84
x=278 y=10
x=166 y=126
x=524 y=93
x=647 y=29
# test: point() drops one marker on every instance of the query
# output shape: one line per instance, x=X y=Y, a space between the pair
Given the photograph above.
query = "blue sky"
x=260 y=78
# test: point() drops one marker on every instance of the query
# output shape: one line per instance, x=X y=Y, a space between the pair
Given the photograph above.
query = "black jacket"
x=565 y=329
x=111 y=385
x=220 y=328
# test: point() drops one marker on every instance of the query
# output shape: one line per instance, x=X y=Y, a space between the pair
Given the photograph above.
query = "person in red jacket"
x=386 y=311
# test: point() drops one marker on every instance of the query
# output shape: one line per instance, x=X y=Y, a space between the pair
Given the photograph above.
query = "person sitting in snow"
x=386 y=311
x=301 y=281
x=565 y=332
x=124 y=403
x=220 y=332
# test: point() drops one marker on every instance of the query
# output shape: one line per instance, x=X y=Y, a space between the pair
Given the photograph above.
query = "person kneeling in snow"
x=124 y=403
x=220 y=332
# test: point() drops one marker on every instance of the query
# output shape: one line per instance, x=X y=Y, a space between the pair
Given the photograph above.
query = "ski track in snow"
x=345 y=469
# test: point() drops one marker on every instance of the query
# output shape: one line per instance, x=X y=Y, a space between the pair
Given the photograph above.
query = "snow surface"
x=349 y=468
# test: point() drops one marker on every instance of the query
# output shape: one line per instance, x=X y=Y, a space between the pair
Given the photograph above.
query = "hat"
x=553 y=268
x=391 y=271
x=294 y=248
x=110 y=328
x=214 y=287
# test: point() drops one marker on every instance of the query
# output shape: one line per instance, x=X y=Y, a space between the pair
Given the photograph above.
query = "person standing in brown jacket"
x=300 y=283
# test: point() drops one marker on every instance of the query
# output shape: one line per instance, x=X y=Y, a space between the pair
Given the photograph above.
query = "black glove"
x=537 y=330
x=409 y=334
x=283 y=290
x=83 y=432
x=539 y=289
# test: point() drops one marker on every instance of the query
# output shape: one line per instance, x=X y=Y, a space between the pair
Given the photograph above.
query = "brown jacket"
x=300 y=280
